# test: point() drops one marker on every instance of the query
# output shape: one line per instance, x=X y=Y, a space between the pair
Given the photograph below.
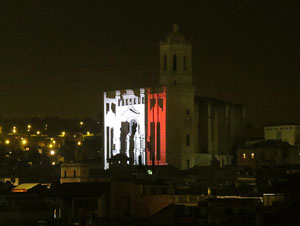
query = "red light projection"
x=156 y=128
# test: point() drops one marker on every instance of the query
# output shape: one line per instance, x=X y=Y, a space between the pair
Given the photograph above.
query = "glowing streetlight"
x=50 y=145
x=52 y=152
x=81 y=123
x=78 y=143
x=24 y=142
x=7 y=141
x=38 y=132
x=53 y=163
x=28 y=128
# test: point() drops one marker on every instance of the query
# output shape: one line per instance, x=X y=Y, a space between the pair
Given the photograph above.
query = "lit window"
x=244 y=156
x=252 y=155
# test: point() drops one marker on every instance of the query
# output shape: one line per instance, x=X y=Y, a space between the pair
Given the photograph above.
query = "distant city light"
x=81 y=123
x=88 y=133
x=14 y=129
x=50 y=145
x=29 y=126
x=53 y=163
x=252 y=155
x=38 y=132
x=78 y=143
x=7 y=141
x=24 y=141
x=52 y=152
x=53 y=141
x=63 y=133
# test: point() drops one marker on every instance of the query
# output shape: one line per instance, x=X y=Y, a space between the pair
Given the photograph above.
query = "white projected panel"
x=124 y=125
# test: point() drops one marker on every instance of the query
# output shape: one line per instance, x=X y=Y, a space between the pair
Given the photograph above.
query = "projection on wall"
x=156 y=127
x=124 y=125
x=132 y=118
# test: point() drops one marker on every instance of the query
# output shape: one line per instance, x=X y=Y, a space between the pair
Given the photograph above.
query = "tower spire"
x=175 y=59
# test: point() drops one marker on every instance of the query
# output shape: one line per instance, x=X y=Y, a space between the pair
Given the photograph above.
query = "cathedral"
x=168 y=124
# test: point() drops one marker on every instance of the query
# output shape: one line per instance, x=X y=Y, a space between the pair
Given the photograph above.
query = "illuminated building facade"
x=160 y=125
x=155 y=125
x=124 y=125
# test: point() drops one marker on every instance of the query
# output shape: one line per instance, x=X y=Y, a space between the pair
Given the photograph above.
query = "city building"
x=79 y=173
x=285 y=133
x=268 y=153
x=168 y=124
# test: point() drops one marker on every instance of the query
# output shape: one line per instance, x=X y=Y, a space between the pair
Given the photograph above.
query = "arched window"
x=184 y=63
x=165 y=62
x=174 y=62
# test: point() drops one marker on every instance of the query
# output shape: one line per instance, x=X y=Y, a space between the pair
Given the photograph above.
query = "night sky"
x=57 y=57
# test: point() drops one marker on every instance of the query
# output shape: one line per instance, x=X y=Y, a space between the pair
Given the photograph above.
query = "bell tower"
x=175 y=60
x=176 y=78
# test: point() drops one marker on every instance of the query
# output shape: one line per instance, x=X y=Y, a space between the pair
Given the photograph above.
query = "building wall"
x=180 y=126
x=220 y=126
x=156 y=125
x=74 y=172
x=179 y=76
x=128 y=199
x=285 y=133
x=124 y=125
x=206 y=159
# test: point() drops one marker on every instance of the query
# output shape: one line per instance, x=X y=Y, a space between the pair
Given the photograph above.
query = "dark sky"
x=56 y=57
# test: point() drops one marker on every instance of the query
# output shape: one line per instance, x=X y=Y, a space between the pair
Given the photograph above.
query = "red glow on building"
x=156 y=128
